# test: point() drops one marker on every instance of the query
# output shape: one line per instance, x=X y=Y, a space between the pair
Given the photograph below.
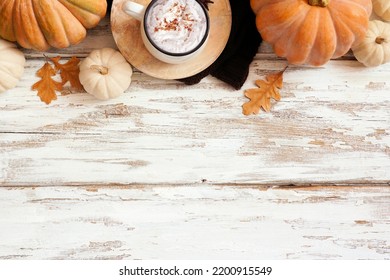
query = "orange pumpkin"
x=41 y=24
x=312 y=31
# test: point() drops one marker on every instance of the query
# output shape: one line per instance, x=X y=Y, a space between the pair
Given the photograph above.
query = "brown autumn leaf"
x=47 y=87
x=69 y=71
x=261 y=97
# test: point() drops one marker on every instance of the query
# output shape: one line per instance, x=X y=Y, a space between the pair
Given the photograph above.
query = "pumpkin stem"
x=319 y=3
x=380 y=40
x=101 y=69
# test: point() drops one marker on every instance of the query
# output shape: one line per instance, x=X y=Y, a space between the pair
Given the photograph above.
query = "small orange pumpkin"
x=41 y=24
x=312 y=31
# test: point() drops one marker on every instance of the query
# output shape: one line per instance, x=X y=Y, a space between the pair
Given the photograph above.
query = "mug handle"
x=133 y=9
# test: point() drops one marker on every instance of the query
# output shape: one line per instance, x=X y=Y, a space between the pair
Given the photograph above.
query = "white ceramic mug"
x=173 y=31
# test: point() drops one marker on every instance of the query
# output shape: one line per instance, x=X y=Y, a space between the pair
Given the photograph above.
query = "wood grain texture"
x=199 y=222
x=332 y=126
x=172 y=171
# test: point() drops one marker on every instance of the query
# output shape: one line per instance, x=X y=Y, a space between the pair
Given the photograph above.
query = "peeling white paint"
x=331 y=127
x=199 y=222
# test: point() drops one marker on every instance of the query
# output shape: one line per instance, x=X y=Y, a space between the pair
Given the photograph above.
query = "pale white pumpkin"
x=105 y=73
x=12 y=63
x=382 y=8
x=374 y=50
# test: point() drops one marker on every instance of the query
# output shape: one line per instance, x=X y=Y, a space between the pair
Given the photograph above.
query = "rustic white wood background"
x=169 y=171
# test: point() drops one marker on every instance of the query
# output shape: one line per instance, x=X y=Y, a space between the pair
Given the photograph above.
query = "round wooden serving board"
x=126 y=32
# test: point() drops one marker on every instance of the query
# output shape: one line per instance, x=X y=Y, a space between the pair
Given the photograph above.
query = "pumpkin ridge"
x=357 y=22
x=92 y=6
x=325 y=44
x=31 y=28
x=357 y=5
x=381 y=51
x=113 y=82
x=103 y=83
x=49 y=23
x=73 y=29
x=117 y=59
x=372 y=54
x=7 y=30
x=12 y=69
x=88 y=15
x=4 y=69
x=108 y=58
x=92 y=59
x=114 y=79
x=303 y=30
x=18 y=20
x=7 y=82
x=382 y=8
x=12 y=62
x=354 y=4
x=341 y=28
x=102 y=58
x=271 y=29
x=315 y=27
x=91 y=79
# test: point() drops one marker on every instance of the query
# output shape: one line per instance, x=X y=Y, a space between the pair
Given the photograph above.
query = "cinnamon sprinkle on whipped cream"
x=176 y=26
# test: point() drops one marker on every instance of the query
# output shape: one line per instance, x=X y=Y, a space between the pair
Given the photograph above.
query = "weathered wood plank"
x=332 y=125
x=204 y=162
x=199 y=222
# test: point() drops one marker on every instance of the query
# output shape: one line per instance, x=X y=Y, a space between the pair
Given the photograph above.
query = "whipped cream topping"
x=176 y=26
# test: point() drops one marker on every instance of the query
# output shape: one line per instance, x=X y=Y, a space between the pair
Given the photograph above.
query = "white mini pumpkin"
x=12 y=63
x=382 y=8
x=105 y=73
x=374 y=50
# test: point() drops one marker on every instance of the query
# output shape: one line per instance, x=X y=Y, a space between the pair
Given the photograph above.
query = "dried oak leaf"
x=47 y=87
x=261 y=97
x=69 y=71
